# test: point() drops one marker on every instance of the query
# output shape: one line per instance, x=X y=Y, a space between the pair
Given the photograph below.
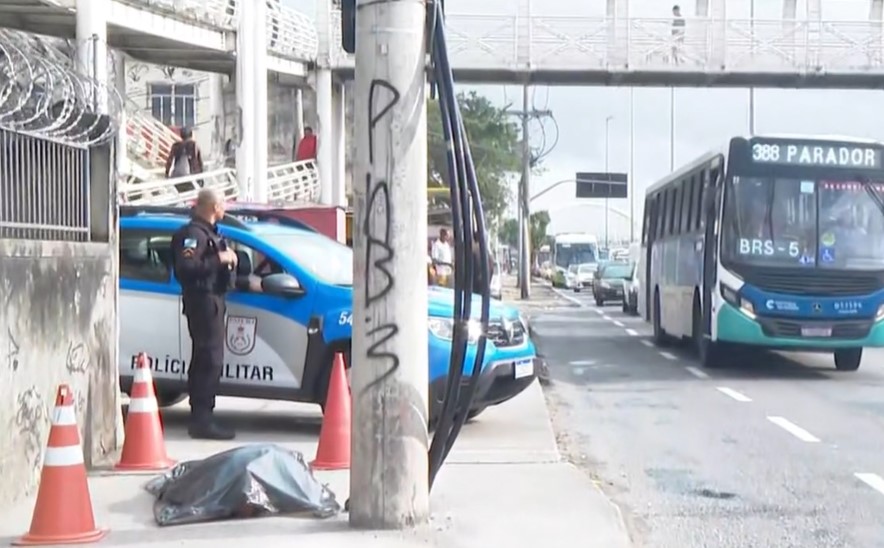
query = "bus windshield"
x=830 y=224
x=575 y=253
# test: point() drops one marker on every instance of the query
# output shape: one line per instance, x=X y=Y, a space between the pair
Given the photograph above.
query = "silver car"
x=583 y=276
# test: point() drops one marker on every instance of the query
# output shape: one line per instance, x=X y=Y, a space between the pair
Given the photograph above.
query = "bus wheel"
x=848 y=359
x=707 y=350
x=660 y=337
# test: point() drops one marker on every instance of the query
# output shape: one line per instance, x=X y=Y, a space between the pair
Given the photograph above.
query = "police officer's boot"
x=204 y=427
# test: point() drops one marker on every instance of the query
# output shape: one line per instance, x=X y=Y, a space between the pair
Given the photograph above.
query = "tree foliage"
x=494 y=143
x=509 y=233
x=538 y=223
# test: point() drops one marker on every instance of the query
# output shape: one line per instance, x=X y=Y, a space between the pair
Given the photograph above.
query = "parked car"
x=609 y=279
x=286 y=323
x=630 y=292
x=584 y=276
x=496 y=282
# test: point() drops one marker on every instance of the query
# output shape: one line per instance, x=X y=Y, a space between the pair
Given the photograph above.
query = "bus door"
x=652 y=237
x=714 y=188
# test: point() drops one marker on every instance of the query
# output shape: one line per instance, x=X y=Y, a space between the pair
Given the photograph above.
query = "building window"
x=173 y=104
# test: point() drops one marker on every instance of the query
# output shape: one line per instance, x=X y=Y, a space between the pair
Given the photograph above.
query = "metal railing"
x=52 y=119
x=149 y=140
x=525 y=43
x=179 y=191
x=296 y=182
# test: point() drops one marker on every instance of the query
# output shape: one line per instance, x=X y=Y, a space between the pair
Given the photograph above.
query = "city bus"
x=568 y=249
x=771 y=242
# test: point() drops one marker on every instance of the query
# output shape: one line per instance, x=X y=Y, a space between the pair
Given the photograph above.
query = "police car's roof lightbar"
x=233 y=216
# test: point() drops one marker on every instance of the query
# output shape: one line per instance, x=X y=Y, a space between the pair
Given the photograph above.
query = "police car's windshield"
x=330 y=261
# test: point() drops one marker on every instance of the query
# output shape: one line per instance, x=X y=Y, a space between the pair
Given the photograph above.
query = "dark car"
x=630 y=295
x=609 y=280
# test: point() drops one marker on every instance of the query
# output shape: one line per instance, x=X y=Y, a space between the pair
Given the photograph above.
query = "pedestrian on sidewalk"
x=306 y=149
x=206 y=269
x=443 y=258
x=185 y=158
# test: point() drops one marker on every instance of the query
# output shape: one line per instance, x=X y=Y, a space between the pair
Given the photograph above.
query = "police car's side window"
x=258 y=266
x=145 y=256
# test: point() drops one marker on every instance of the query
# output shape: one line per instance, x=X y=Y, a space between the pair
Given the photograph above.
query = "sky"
x=703 y=118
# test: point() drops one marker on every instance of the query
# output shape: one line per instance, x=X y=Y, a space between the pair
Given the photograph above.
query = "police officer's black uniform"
x=204 y=281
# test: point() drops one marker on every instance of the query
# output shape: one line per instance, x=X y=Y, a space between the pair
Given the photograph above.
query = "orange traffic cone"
x=333 y=452
x=63 y=513
x=144 y=447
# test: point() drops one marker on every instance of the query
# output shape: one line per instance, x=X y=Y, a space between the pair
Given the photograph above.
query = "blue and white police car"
x=284 y=327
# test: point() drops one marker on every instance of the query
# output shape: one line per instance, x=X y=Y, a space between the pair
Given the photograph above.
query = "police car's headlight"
x=879 y=315
x=443 y=328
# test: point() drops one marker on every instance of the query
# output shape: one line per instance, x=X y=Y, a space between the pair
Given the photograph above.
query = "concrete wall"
x=58 y=320
x=282 y=125
x=59 y=326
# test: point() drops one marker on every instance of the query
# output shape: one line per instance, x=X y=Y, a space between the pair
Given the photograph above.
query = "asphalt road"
x=771 y=451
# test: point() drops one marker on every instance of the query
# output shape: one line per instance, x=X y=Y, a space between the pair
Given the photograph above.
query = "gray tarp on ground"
x=250 y=481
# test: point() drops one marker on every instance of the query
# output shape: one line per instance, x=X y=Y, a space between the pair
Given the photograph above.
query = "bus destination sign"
x=816 y=155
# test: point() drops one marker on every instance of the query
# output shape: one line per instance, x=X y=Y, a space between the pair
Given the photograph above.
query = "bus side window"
x=702 y=183
x=649 y=201
x=686 y=191
x=662 y=215
x=690 y=200
x=673 y=209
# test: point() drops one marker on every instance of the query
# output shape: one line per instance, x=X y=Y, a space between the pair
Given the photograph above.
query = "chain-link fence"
x=56 y=133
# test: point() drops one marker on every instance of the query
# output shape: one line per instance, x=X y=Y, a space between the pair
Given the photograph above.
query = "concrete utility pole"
x=389 y=475
x=526 y=114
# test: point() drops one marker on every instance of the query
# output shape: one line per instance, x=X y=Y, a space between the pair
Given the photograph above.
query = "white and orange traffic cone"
x=144 y=447
x=63 y=512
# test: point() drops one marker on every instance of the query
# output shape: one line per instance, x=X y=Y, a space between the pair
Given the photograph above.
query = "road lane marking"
x=632 y=332
x=567 y=297
x=668 y=355
x=697 y=373
x=794 y=429
x=582 y=362
x=733 y=394
x=606 y=317
x=618 y=324
x=647 y=343
x=874 y=481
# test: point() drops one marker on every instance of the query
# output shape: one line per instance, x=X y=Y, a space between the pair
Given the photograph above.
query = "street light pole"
x=671 y=129
x=631 y=178
x=607 y=135
x=752 y=89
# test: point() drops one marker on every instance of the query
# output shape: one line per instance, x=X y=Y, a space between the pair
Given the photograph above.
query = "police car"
x=283 y=328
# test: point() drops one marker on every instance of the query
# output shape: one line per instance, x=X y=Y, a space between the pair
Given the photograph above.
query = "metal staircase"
x=293 y=183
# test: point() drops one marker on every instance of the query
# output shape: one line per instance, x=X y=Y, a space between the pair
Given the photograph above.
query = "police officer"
x=205 y=268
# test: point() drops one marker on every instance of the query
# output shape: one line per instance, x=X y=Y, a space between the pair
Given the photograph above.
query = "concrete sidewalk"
x=503 y=485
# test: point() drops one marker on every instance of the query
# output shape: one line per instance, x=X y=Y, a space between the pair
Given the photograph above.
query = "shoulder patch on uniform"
x=189 y=243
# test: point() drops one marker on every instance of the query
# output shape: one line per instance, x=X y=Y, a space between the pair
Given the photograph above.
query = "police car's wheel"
x=475 y=413
x=168 y=399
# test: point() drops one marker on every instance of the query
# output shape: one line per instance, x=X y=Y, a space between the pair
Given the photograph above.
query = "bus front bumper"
x=734 y=326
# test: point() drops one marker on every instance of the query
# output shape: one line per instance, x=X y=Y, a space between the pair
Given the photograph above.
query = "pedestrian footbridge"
x=195 y=34
x=524 y=48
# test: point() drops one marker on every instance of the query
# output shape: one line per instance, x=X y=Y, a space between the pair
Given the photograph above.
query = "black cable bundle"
x=468 y=222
